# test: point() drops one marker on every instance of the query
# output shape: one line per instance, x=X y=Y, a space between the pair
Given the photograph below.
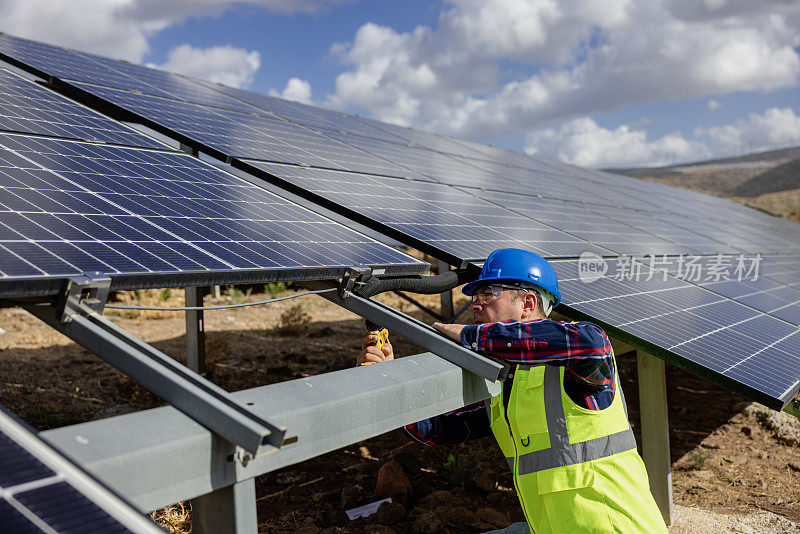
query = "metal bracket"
x=83 y=295
x=416 y=331
x=353 y=274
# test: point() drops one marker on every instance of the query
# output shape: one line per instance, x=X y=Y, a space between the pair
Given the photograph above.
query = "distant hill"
x=768 y=156
x=766 y=180
x=780 y=178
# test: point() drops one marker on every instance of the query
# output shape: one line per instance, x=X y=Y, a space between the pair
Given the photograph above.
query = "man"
x=561 y=419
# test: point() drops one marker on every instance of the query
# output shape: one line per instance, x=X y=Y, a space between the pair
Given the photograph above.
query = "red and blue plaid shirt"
x=582 y=347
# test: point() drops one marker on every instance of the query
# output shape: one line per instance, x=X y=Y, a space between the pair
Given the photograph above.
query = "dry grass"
x=176 y=518
x=783 y=203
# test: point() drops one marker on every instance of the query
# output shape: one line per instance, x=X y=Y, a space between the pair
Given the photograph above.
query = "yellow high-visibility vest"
x=575 y=470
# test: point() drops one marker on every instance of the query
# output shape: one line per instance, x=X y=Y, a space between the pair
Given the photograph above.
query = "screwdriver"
x=379 y=331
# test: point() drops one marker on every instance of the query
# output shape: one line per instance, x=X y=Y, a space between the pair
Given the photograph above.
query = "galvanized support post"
x=228 y=510
x=447 y=296
x=655 y=430
x=195 y=332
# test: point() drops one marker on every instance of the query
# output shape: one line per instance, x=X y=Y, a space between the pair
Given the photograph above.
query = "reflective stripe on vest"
x=561 y=451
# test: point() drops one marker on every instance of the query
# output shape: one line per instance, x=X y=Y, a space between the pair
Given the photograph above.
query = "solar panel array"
x=70 y=207
x=129 y=206
x=41 y=492
x=458 y=200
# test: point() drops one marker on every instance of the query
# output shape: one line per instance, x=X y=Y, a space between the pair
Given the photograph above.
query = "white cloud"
x=222 y=64
x=121 y=28
x=713 y=105
x=296 y=89
x=583 y=142
x=498 y=68
x=775 y=128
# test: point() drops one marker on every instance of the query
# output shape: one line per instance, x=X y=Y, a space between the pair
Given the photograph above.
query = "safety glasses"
x=487 y=294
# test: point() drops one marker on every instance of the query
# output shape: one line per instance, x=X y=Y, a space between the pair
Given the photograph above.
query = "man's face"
x=493 y=304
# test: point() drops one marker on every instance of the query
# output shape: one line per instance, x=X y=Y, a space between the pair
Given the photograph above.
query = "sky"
x=596 y=83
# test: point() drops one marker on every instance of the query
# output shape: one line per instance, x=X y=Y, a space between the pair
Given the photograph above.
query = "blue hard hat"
x=520 y=266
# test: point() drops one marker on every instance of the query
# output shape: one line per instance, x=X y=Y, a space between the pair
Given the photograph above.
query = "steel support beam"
x=228 y=510
x=195 y=396
x=655 y=430
x=195 y=331
x=158 y=457
x=416 y=331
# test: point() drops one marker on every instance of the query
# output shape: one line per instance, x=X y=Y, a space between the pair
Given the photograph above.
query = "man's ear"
x=529 y=305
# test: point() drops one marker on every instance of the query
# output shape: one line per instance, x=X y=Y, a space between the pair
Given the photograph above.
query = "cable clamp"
x=353 y=275
x=83 y=295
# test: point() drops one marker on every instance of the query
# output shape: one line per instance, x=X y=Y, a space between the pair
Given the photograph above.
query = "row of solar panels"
x=148 y=215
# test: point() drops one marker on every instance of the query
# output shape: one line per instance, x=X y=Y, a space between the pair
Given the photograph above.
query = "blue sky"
x=599 y=83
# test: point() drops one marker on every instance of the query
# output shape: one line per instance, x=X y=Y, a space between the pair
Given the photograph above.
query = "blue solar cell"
x=12 y=265
x=28 y=108
x=17 y=466
x=68 y=512
x=14 y=522
x=306 y=115
x=41 y=258
x=789 y=313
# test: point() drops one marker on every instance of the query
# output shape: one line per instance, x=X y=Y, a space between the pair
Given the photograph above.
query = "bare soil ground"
x=735 y=465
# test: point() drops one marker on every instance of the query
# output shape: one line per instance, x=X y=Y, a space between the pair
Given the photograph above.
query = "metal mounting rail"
x=417 y=331
x=203 y=401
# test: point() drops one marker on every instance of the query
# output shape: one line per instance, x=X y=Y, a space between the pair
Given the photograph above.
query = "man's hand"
x=372 y=354
x=453 y=331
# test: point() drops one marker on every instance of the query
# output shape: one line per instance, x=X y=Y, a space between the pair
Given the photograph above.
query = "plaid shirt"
x=583 y=348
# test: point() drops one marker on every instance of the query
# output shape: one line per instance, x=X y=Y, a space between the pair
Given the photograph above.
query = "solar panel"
x=432 y=215
x=737 y=342
x=249 y=136
x=70 y=207
x=42 y=492
x=29 y=108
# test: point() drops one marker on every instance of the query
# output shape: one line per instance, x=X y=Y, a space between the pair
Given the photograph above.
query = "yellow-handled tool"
x=379 y=331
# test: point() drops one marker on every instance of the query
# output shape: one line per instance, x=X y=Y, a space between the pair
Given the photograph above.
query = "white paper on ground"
x=367 y=509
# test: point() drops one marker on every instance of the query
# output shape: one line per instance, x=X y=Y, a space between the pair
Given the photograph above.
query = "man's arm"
x=453 y=427
x=542 y=340
x=453 y=331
